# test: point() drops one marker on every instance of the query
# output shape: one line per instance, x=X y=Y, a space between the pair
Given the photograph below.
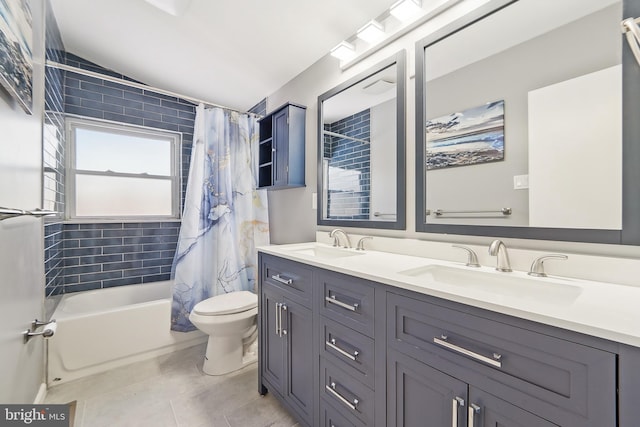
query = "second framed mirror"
x=361 y=149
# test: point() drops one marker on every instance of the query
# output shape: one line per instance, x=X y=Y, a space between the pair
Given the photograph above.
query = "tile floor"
x=171 y=390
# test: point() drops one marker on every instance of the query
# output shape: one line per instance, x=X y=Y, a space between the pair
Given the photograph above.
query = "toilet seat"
x=233 y=302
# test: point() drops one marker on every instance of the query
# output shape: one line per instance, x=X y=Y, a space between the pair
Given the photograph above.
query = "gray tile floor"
x=171 y=390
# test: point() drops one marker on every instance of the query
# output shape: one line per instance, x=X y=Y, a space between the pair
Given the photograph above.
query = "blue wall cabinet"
x=281 y=153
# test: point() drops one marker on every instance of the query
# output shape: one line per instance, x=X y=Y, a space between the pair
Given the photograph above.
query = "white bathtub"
x=102 y=329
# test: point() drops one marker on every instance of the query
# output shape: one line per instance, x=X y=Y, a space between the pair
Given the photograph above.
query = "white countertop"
x=605 y=310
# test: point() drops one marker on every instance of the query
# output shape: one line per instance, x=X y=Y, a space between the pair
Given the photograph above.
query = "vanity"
x=367 y=338
x=526 y=128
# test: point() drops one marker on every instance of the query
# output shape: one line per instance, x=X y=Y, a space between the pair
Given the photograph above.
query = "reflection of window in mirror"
x=556 y=67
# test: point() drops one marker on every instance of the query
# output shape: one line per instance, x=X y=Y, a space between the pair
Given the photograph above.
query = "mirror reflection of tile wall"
x=347 y=163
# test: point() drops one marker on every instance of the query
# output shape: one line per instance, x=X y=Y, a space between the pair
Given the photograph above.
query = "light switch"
x=520 y=182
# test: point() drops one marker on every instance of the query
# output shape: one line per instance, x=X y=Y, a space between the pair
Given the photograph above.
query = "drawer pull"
x=278 y=319
x=283 y=280
x=332 y=389
x=455 y=404
x=283 y=331
x=473 y=410
x=493 y=362
x=332 y=344
x=332 y=299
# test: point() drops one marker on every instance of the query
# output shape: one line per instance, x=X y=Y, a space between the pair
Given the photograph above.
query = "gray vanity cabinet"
x=338 y=350
x=286 y=336
x=346 y=306
x=564 y=382
x=420 y=395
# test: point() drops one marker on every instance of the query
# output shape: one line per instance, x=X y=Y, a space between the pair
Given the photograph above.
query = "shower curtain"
x=224 y=216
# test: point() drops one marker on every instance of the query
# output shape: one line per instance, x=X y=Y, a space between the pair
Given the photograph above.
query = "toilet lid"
x=233 y=302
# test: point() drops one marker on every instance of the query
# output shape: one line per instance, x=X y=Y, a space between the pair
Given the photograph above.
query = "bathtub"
x=106 y=328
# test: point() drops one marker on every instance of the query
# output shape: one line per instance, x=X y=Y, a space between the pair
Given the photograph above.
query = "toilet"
x=230 y=320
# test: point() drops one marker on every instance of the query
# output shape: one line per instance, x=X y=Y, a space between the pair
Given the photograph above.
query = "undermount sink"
x=509 y=284
x=326 y=252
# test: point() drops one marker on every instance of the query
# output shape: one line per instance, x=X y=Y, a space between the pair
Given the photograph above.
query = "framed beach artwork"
x=468 y=137
x=15 y=51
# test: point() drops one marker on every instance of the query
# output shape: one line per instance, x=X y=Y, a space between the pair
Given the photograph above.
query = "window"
x=120 y=171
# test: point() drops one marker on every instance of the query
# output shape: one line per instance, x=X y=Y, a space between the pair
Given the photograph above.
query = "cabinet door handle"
x=495 y=361
x=473 y=410
x=455 y=404
x=278 y=319
x=332 y=299
x=283 y=280
x=283 y=307
x=332 y=389
x=332 y=344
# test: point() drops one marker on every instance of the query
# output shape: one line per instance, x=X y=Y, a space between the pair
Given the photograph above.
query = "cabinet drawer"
x=293 y=278
x=331 y=417
x=571 y=383
x=347 y=300
x=345 y=393
x=351 y=350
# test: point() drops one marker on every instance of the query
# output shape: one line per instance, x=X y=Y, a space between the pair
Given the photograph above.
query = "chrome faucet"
x=360 y=245
x=499 y=250
x=336 y=241
x=472 y=258
x=537 y=268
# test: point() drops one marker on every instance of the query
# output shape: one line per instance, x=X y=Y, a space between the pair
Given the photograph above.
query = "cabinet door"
x=298 y=331
x=281 y=145
x=274 y=345
x=422 y=396
x=490 y=411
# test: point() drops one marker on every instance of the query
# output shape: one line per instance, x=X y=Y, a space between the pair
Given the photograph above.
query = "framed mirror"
x=520 y=124
x=361 y=149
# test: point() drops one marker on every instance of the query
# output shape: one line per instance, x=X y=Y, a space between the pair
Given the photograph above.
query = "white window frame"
x=175 y=138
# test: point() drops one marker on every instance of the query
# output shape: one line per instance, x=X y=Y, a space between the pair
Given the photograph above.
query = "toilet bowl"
x=230 y=320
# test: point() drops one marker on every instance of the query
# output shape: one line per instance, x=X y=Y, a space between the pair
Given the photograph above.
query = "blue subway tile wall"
x=53 y=151
x=115 y=254
x=101 y=99
x=349 y=167
x=102 y=255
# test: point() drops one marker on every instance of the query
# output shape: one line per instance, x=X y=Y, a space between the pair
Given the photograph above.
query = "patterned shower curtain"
x=224 y=216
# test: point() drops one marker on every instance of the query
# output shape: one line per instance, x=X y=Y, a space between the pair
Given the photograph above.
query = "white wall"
x=575 y=130
x=383 y=155
x=292 y=216
x=21 y=239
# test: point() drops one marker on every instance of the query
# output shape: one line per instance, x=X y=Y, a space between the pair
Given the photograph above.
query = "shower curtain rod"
x=101 y=76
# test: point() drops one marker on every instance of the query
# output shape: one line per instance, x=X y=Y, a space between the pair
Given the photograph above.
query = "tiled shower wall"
x=349 y=167
x=83 y=256
x=53 y=159
x=99 y=255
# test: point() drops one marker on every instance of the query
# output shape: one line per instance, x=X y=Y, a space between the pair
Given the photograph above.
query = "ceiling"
x=228 y=52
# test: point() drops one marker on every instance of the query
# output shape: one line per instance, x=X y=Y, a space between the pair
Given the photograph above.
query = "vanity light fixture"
x=371 y=32
x=405 y=10
x=343 y=51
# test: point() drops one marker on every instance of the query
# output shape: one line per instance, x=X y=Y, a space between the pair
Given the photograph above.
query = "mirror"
x=361 y=149
x=520 y=124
